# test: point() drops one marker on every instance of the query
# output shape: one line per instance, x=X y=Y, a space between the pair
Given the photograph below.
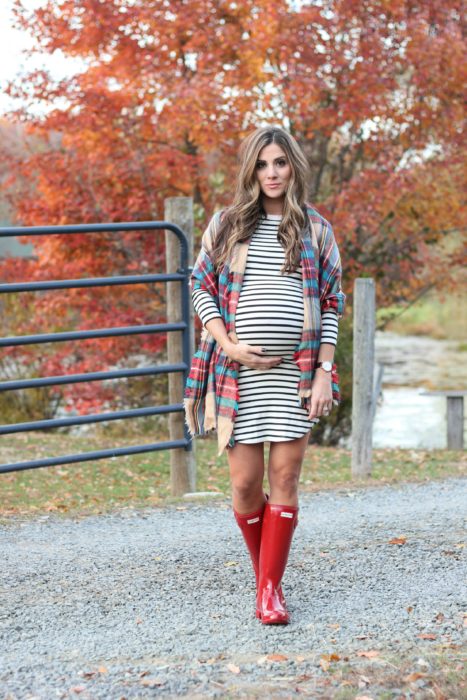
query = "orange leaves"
x=371 y=91
x=368 y=654
x=233 y=668
x=398 y=540
x=276 y=657
x=326 y=660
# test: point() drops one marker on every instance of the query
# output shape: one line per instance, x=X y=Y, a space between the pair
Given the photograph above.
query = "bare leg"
x=246 y=464
x=285 y=463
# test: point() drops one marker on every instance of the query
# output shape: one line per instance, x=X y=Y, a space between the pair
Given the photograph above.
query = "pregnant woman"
x=267 y=288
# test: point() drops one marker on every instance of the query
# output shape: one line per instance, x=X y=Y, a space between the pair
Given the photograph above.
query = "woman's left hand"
x=321 y=395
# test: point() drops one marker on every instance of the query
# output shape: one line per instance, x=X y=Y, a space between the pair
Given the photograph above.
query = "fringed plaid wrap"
x=211 y=392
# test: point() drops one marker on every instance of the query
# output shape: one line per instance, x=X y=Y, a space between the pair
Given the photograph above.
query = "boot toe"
x=277 y=617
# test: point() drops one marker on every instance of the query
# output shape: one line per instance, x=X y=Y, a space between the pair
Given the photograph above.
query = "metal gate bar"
x=182 y=275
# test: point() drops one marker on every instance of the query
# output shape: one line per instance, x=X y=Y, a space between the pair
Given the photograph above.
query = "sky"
x=12 y=61
x=13 y=42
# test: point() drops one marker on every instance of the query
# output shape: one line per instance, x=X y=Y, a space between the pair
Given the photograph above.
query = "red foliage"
x=371 y=90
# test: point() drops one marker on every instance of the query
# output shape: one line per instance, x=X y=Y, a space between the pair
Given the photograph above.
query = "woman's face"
x=273 y=170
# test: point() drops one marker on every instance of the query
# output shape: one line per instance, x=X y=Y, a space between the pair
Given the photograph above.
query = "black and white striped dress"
x=270 y=315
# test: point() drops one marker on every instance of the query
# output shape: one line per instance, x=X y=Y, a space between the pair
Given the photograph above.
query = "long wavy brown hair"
x=240 y=219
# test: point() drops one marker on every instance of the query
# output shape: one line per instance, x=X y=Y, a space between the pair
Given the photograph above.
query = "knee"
x=285 y=479
x=245 y=487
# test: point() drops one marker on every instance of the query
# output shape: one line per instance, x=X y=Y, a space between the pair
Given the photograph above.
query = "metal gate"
x=182 y=276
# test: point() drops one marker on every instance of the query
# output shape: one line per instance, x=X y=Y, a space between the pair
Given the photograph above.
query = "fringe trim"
x=224 y=431
x=189 y=405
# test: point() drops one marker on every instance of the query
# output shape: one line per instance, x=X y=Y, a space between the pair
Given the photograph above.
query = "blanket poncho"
x=211 y=391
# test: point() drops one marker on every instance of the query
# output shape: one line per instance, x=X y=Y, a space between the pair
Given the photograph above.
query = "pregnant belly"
x=271 y=316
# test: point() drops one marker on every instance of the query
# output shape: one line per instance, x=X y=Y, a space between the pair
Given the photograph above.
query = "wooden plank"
x=455 y=421
x=178 y=210
x=364 y=321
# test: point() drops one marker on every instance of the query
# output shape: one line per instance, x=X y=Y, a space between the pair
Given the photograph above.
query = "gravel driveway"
x=159 y=602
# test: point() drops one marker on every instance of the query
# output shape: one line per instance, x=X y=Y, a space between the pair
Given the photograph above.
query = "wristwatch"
x=327 y=366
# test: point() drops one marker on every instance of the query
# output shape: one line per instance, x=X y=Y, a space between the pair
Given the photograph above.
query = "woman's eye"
x=281 y=163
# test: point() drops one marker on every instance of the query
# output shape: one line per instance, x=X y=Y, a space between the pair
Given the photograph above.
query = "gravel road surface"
x=160 y=602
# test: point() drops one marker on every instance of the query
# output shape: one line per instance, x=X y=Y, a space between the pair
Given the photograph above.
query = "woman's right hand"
x=252 y=356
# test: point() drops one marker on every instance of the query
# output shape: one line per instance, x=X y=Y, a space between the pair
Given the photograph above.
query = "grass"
x=432 y=316
x=144 y=480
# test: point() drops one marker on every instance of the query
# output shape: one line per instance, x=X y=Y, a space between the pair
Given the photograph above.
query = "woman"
x=267 y=288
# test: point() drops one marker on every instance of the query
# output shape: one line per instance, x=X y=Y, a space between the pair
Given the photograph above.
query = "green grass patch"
x=433 y=316
x=144 y=480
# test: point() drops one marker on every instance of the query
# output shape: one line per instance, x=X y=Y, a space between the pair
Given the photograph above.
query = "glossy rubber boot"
x=279 y=523
x=250 y=525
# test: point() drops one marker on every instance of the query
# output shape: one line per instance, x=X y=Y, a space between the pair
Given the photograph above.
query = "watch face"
x=327 y=366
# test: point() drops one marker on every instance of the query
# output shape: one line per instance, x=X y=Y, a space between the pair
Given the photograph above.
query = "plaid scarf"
x=211 y=391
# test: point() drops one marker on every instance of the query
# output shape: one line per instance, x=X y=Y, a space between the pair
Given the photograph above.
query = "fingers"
x=255 y=357
x=256 y=349
x=255 y=363
x=319 y=407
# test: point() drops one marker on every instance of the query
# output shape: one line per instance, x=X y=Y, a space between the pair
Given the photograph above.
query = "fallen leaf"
x=369 y=654
x=426 y=635
x=324 y=663
x=77 y=689
x=102 y=669
x=413 y=677
x=152 y=682
x=276 y=657
x=138 y=620
x=230 y=563
x=233 y=668
x=304 y=678
x=398 y=540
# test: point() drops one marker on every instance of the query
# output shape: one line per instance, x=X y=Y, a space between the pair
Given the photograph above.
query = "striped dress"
x=270 y=315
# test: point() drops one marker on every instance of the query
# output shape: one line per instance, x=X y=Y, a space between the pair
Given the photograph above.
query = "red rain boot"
x=279 y=523
x=250 y=525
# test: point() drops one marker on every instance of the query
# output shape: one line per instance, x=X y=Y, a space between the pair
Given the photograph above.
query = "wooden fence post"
x=364 y=323
x=455 y=420
x=178 y=210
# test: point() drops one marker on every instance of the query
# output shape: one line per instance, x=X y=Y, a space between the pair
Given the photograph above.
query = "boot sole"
x=259 y=616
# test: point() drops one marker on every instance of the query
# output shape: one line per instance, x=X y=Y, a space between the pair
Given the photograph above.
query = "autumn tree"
x=372 y=91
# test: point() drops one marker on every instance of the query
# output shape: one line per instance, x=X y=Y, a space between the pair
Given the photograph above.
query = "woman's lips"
x=273 y=185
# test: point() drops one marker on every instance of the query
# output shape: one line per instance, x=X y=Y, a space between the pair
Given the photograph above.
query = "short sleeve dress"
x=270 y=315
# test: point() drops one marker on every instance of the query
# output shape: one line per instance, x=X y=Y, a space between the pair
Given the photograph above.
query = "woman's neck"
x=272 y=206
